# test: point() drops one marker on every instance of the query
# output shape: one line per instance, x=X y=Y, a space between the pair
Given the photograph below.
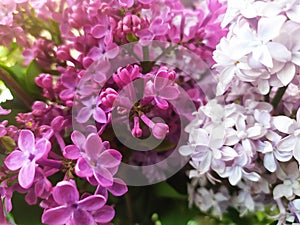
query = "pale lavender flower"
x=209 y=200
x=236 y=171
x=294 y=207
x=291 y=186
x=291 y=127
x=275 y=148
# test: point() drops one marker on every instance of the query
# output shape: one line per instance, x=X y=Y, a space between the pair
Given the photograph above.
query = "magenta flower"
x=4 y=111
x=91 y=108
x=126 y=3
x=98 y=163
x=70 y=209
x=25 y=158
x=163 y=88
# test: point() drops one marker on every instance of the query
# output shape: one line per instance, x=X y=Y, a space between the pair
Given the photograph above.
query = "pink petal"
x=57 y=216
x=71 y=152
x=66 y=94
x=109 y=158
x=82 y=168
x=84 y=114
x=81 y=217
x=145 y=1
x=105 y=214
x=26 y=141
x=161 y=103
x=169 y=93
x=15 y=160
x=92 y=203
x=93 y=146
x=118 y=188
x=26 y=174
x=99 y=31
x=42 y=148
x=104 y=177
x=4 y=111
x=78 y=138
x=160 y=130
x=99 y=115
x=126 y=3
x=65 y=192
x=160 y=83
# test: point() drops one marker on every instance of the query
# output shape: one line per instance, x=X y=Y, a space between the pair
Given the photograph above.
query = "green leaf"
x=25 y=214
x=16 y=71
x=165 y=190
x=131 y=37
x=7 y=144
x=32 y=71
x=165 y=146
x=9 y=217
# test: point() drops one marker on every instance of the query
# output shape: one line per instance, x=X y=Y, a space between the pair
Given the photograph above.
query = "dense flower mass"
x=108 y=89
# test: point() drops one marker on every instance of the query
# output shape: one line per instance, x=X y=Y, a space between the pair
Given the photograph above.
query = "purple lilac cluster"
x=244 y=144
x=66 y=38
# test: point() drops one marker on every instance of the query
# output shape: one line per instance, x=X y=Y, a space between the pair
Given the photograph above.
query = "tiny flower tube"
x=159 y=130
x=136 y=130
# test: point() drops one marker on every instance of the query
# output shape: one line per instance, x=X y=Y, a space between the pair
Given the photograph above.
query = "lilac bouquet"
x=149 y=112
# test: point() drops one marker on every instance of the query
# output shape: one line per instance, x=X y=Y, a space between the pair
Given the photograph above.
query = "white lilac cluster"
x=262 y=46
x=244 y=145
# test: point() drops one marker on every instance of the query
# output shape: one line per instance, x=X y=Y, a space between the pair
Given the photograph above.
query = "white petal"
x=298 y=116
x=287 y=73
x=255 y=132
x=294 y=13
x=235 y=176
x=262 y=54
x=297 y=150
x=269 y=162
x=287 y=144
x=282 y=190
x=228 y=153
x=199 y=136
x=266 y=30
x=263 y=87
x=225 y=79
x=186 y=150
x=279 y=52
x=205 y=164
x=252 y=176
x=267 y=9
x=283 y=123
x=296 y=58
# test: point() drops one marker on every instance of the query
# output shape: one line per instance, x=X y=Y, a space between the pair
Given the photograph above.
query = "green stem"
x=278 y=96
x=16 y=88
x=146 y=54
